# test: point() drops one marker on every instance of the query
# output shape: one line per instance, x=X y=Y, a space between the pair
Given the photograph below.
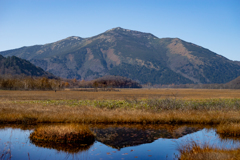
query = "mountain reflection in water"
x=124 y=136
x=109 y=141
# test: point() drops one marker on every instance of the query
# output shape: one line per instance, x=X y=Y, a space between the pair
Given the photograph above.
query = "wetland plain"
x=126 y=123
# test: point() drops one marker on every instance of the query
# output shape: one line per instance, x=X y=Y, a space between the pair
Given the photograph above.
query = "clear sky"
x=212 y=24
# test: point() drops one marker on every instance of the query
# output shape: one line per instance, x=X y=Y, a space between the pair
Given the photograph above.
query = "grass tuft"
x=194 y=151
x=64 y=133
x=229 y=130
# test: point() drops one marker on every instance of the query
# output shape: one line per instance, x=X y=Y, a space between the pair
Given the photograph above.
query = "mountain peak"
x=73 y=38
x=118 y=29
x=128 y=31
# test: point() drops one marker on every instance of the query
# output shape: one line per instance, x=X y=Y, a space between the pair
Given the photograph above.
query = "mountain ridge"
x=140 y=56
x=16 y=66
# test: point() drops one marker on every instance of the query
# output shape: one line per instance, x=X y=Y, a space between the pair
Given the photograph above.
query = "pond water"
x=111 y=142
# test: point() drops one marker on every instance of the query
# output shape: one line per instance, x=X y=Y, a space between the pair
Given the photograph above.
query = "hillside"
x=237 y=62
x=17 y=66
x=234 y=84
x=140 y=56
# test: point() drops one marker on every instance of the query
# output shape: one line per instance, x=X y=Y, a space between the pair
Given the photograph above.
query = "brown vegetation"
x=151 y=111
x=123 y=94
x=71 y=138
x=193 y=151
x=165 y=106
x=229 y=129
x=8 y=82
x=116 y=82
x=68 y=133
x=29 y=83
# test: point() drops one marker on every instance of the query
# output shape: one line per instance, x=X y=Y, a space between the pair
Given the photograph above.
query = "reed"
x=5 y=154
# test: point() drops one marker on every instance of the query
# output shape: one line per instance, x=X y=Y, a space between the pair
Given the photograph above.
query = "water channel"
x=111 y=142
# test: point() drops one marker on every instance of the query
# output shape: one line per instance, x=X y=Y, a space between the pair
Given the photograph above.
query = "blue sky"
x=212 y=24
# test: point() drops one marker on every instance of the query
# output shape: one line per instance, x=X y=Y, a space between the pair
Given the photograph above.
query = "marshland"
x=75 y=122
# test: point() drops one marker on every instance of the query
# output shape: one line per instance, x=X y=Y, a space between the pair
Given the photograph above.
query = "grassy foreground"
x=143 y=106
x=167 y=110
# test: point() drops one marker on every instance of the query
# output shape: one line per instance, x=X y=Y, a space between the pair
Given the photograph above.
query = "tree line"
x=9 y=82
x=29 y=83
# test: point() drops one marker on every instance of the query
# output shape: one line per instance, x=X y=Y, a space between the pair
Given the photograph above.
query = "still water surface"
x=111 y=142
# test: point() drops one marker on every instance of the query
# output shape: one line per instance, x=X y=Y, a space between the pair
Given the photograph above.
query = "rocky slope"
x=140 y=56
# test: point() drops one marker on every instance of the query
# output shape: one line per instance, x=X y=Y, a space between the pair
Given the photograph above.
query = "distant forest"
x=23 y=82
x=8 y=82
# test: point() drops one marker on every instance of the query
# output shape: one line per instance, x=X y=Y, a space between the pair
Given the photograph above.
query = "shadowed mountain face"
x=120 y=137
x=136 y=55
x=17 y=66
x=237 y=62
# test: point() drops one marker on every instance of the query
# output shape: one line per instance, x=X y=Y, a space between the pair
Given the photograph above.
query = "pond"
x=110 y=142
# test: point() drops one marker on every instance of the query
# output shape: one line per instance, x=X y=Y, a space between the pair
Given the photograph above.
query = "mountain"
x=140 y=56
x=237 y=62
x=17 y=66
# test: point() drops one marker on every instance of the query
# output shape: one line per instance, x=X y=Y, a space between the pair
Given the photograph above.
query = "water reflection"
x=132 y=135
x=110 y=141
x=234 y=141
x=17 y=126
x=65 y=147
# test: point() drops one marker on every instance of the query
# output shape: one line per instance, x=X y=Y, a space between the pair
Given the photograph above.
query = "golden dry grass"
x=28 y=113
x=64 y=133
x=177 y=106
x=121 y=95
x=71 y=138
x=229 y=129
x=193 y=151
